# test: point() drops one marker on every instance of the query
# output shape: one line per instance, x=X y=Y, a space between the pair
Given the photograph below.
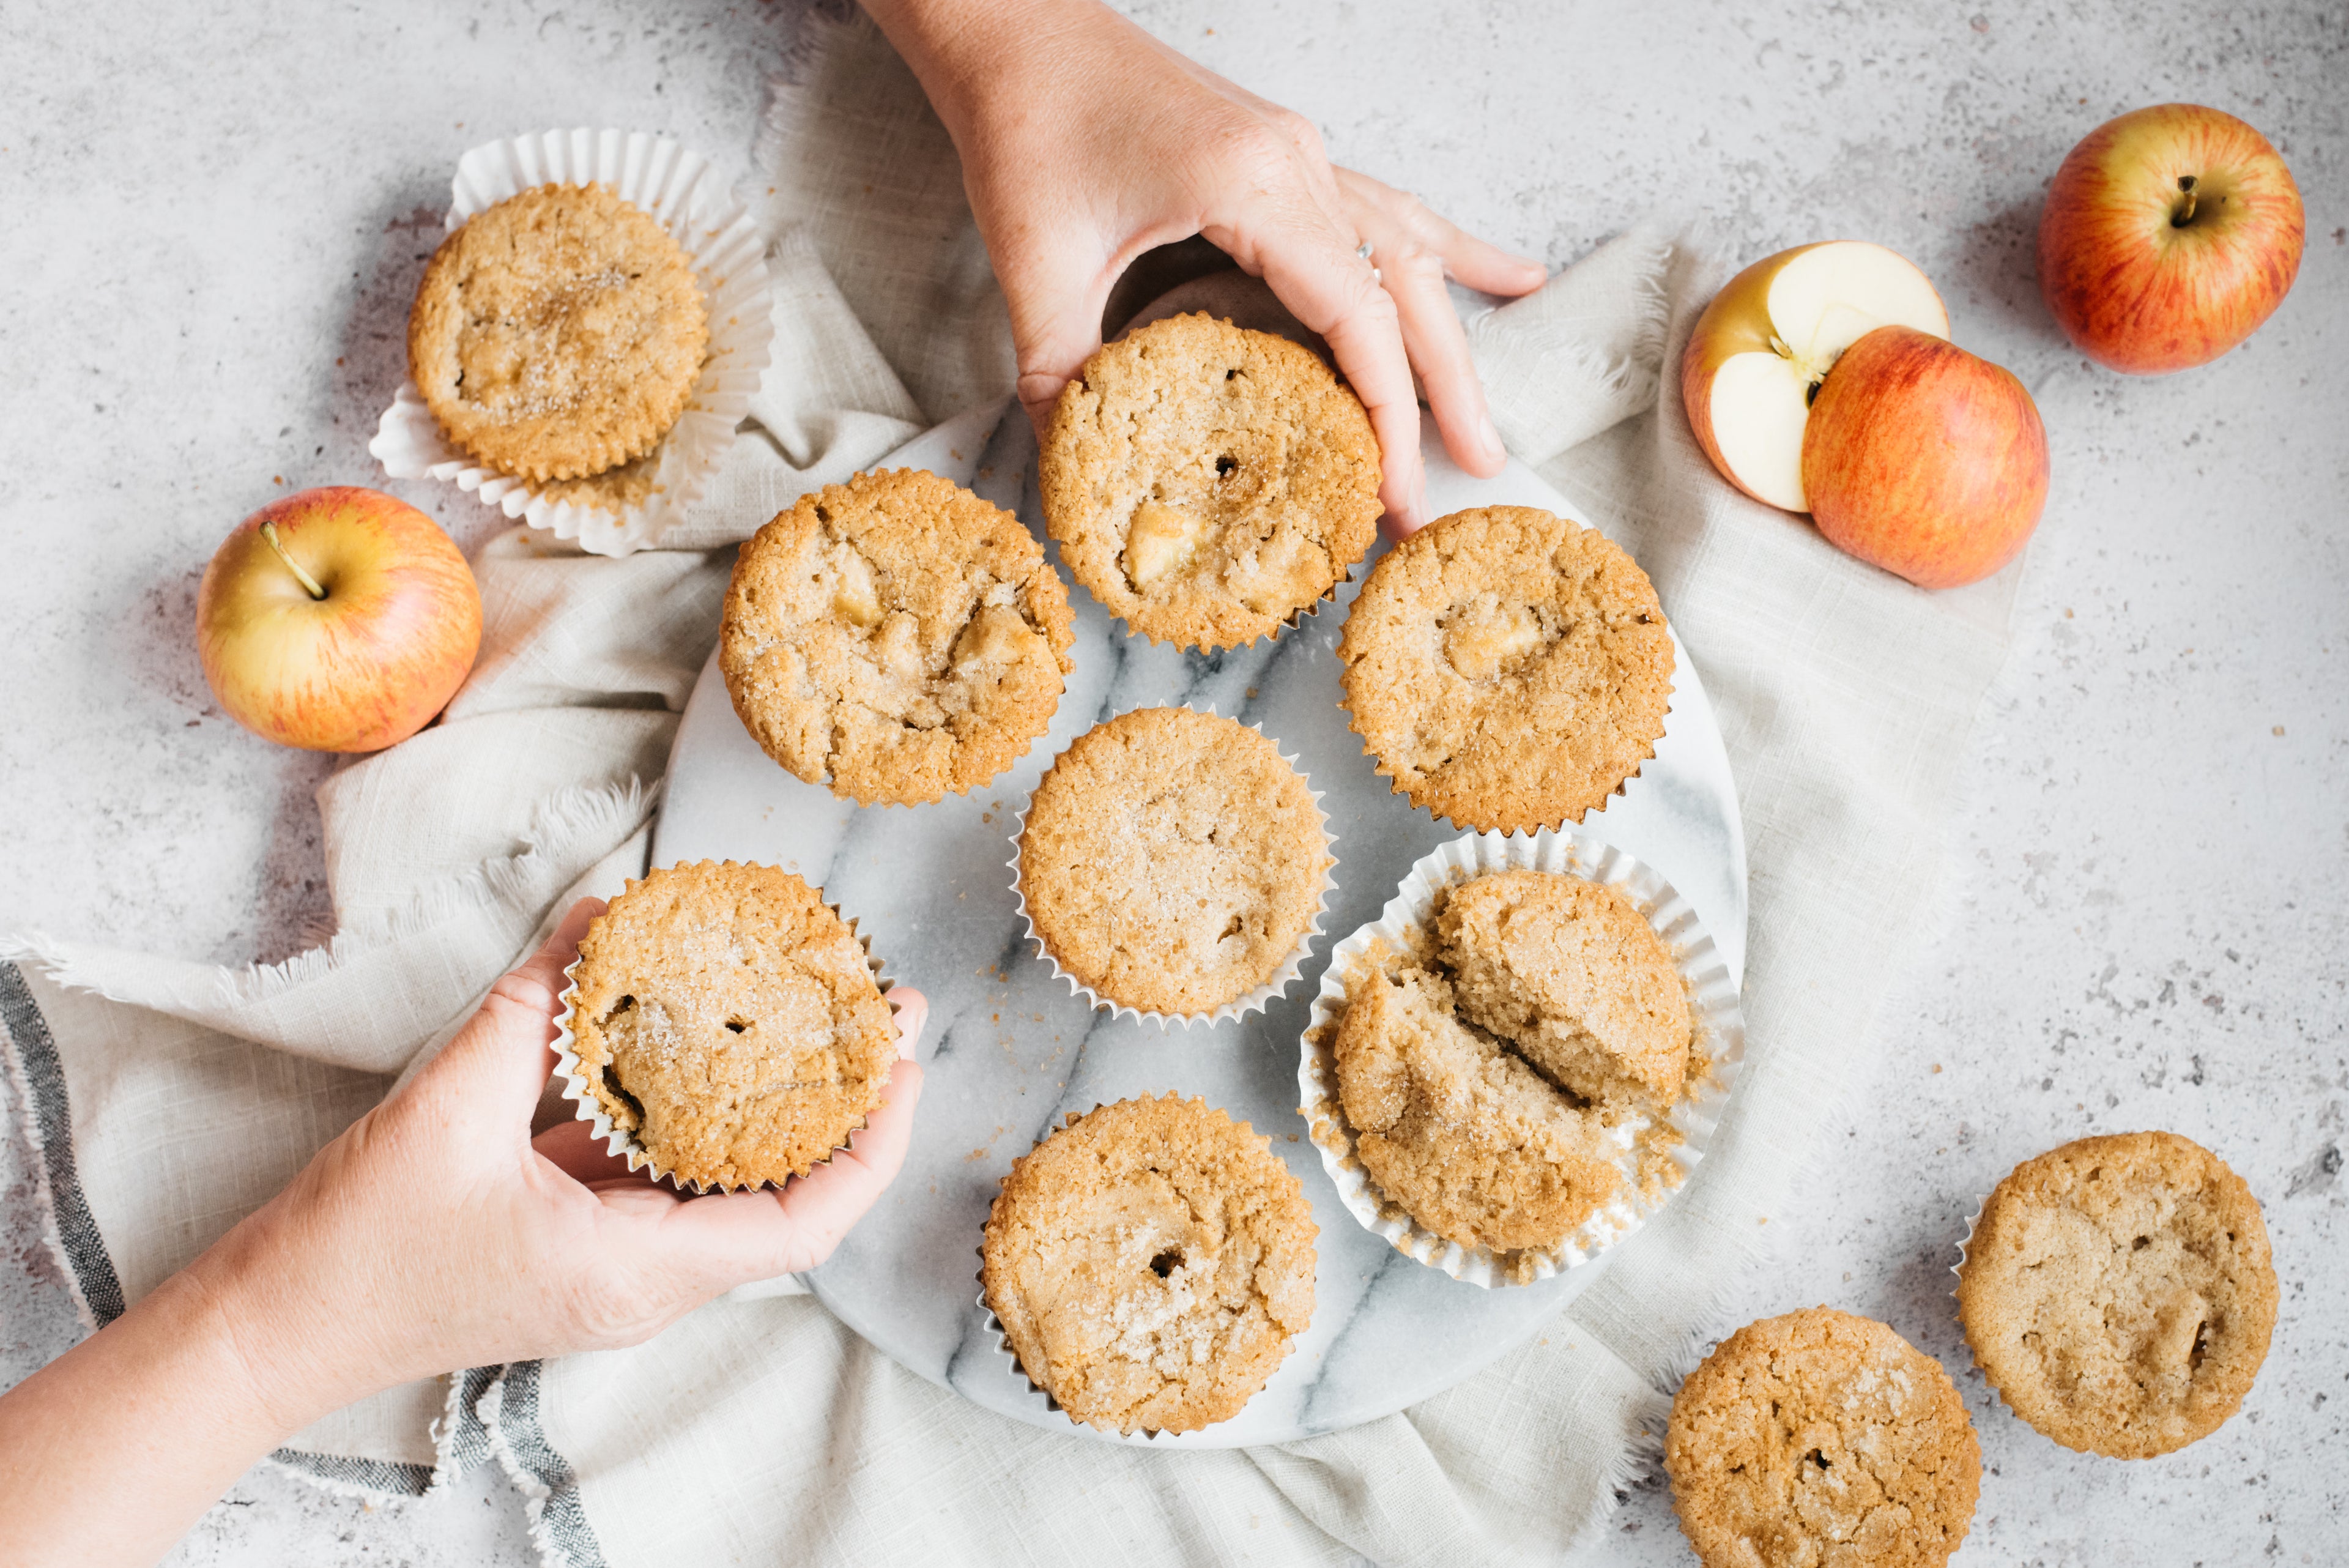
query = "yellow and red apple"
x=2168 y=236
x=1924 y=460
x=337 y=620
x=1759 y=354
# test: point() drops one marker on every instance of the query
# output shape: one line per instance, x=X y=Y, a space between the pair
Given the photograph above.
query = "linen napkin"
x=164 y=1099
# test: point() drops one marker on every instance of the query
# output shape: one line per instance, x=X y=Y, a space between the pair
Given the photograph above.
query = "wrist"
x=287 y=1354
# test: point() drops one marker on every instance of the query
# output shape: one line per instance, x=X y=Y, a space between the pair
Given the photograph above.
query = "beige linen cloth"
x=168 y=1098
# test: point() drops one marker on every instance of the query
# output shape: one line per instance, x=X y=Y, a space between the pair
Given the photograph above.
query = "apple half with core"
x=338 y=619
x=2168 y=236
x=1924 y=460
x=1759 y=354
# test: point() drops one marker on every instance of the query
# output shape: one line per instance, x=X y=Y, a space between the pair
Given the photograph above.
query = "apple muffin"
x=730 y=1023
x=1507 y=669
x=894 y=638
x=1173 y=861
x=1209 y=483
x=2119 y=1294
x=1149 y=1264
x=558 y=334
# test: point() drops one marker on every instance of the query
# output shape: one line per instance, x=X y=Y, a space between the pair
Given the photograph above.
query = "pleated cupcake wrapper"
x=689 y=198
x=1002 y=1336
x=1288 y=622
x=1255 y=1001
x=1715 y=1009
x=617 y=1139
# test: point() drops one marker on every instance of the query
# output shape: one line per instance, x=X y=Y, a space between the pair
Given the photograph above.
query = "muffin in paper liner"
x=1288 y=622
x=1255 y=1001
x=1380 y=766
x=1714 y=1013
x=1001 y=1336
x=618 y=1140
x=687 y=197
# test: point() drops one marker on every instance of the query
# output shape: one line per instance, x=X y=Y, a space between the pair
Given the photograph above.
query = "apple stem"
x=2184 y=214
x=309 y=583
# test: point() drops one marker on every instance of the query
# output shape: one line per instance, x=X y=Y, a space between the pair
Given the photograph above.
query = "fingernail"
x=909 y=1031
x=1529 y=263
x=1490 y=436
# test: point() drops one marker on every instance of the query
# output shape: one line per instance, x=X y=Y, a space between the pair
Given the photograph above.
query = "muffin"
x=1209 y=483
x=1488 y=1074
x=1819 y=1437
x=730 y=1023
x=1172 y=861
x=557 y=334
x=1149 y=1264
x=1507 y=669
x=894 y=638
x=2118 y=1294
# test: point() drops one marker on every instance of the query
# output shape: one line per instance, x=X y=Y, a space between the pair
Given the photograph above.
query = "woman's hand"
x=1085 y=142
x=431 y=1235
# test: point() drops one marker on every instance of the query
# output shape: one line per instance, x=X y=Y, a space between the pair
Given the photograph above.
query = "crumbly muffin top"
x=1574 y=978
x=1471 y=1141
x=730 y=1023
x=1819 y=1439
x=1149 y=1262
x=895 y=637
x=2119 y=1293
x=1207 y=483
x=1172 y=861
x=557 y=334
x=1509 y=668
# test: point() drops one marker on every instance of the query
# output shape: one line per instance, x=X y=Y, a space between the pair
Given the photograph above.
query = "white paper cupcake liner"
x=692 y=202
x=1255 y=1001
x=617 y=1139
x=1720 y=1026
x=1018 y=1371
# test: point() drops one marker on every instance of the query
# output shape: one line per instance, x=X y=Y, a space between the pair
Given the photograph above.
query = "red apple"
x=338 y=619
x=1924 y=460
x=2169 y=234
x=1756 y=356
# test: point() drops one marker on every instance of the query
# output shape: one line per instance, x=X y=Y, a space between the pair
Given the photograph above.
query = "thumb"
x=1056 y=313
x=502 y=1058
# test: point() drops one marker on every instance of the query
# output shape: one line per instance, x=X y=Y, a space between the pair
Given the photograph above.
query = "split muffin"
x=1209 y=483
x=1150 y=1264
x=730 y=1023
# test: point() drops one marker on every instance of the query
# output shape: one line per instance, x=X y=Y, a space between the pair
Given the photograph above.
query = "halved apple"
x=1757 y=355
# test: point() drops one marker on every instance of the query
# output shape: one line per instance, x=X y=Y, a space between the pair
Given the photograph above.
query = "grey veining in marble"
x=1012 y=1049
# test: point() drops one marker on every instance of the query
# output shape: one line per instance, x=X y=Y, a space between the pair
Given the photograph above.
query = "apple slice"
x=1757 y=355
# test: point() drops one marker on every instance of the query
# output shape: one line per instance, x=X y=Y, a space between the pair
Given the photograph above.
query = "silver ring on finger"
x=1363 y=250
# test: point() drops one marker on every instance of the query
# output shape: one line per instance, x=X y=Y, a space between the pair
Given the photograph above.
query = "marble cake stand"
x=1013 y=1049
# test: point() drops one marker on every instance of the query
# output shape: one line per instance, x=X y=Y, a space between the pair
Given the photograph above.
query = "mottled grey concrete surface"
x=218 y=215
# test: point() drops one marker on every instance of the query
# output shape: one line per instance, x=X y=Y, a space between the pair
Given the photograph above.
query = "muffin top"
x=730 y=1023
x=1149 y=1262
x=1507 y=669
x=557 y=334
x=895 y=637
x=2118 y=1293
x=1573 y=977
x=1207 y=483
x=1172 y=861
x=1819 y=1437
x=1469 y=1139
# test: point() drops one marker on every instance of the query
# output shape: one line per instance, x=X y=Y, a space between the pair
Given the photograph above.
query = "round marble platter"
x=1009 y=1050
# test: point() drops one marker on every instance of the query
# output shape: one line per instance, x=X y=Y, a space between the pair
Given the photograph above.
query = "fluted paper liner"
x=689 y=198
x=1255 y=1001
x=617 y=1139
x=1718 y=1030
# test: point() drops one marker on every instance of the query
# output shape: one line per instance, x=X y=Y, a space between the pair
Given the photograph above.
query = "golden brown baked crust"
x=894 y=637
x=1206 y=482
x=1819 y=1439
x=2119 y=1294
x=1574 y=978
x=1149 y=1262
x=730 y=1023
x=1507 y=669
x=1172 y=861
x=557 y=334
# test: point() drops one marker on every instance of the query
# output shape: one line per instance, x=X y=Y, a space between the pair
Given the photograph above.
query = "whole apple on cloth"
x=2168 y=236
x=1821 y=379
x=337 y=620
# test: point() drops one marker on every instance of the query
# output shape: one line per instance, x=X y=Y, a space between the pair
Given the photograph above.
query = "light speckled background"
x=218 y=214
